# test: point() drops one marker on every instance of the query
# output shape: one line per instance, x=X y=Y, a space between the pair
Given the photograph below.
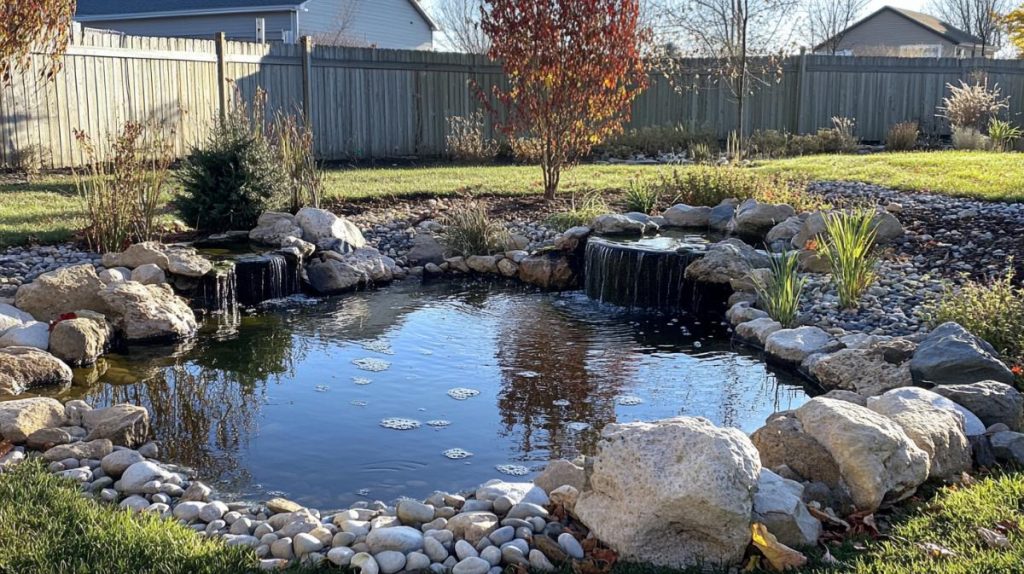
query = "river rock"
x=487 y=264
x=864 y=371
x=991 y=401
x=935 y=424
x=61 y=291
x=425 y=249
x=560 y=473
x=135 y=477
x=617 y=224
x=680 y=215
x=756 y=218
x=779 y=505
x=23 y=368
x=336 y=273
x=118 y=461
x=472 y=526
x=31 y=334
x=1008 y=446
x=80 y=341
x=726 y=261
x=22 y=417
x=45 y=439
x=742 y=312
x=124 y=424
x=795 y=345
x=691 y=477
x=402 y=539
x=328 y=231
x=148 y=312
x=877 y=460
x=414 y=513
x=950 y=355
x=94 y=449
x=550 y=271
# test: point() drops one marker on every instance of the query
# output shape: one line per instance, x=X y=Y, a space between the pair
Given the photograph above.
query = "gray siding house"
x=398 y=24
x=897 y=32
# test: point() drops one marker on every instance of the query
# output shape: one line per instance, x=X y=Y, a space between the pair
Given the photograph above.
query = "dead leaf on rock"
x=993 y=539
x=780 y=557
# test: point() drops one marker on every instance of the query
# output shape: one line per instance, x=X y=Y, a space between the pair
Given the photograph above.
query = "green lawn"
x=984 y=175
x=47 y=210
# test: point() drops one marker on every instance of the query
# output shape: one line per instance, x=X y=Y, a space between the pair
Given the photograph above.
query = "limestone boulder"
x=779 y=505
x=617 y=224
x=34 y=334
x=273 y=228
x=328 y=231
x=185 y=262
x=950 y=355
x=991 y=401
x=725 y=262
x=148 y=312
x=743 y=312
x=551 y=271
x=756 y=218
x=934 y=423
x=680 y=215
x=20 y=418
x=23 y=368
x=560 y=473
x=123 y=424
x=757 y=331
x=61 y=291
x=784 y=231
x=11 y=316
x=486 y=264
x=794 y=345
x=878 y=462
x=95 y=449
x=148 y=274
x=80 y=341
x=782 y=442
x=425 y=249
x=864 y=371
x=332 y=272
x=652 y=481
x=137 y=255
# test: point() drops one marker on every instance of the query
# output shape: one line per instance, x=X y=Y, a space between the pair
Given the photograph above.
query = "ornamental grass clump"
x=1004 y=135
x=902 y=137
x=849 y=247
x=971 y=105
x=471 y=231
x=582 y=211
x=641 y=196
x=779 y=294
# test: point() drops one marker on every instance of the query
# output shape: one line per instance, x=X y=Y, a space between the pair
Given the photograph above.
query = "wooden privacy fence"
x=366 y=103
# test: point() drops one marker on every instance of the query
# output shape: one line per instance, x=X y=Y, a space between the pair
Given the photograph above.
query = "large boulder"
x=332 y=272
x=273 y=228
x=559 y=473
x=328 y=231
x=685 y=216
x=993 y=402
x=779 y=505
x=866 y=371
x=124 y=424
x=425 y=249
x=756 y=218
x=758 y=330
x=552 y=271
x=785 y=231
x=186 y=262
x=22 y=417
x=137 y=255
x=653 y=482
x=617 y=224
x=61 y=291
x=11 y=316
x=80 y=341
x=32 y=334
x=23 y=368
x=720 y=218
x=887 y=228
x=934 y=423
x=877 y=460
x=795 y=345
x=782 y=442
x=148 y=312
x=725 y=262
x=950 y=355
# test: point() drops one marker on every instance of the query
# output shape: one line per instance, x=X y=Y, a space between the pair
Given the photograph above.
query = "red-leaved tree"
x=33 y=24
x=573 y=69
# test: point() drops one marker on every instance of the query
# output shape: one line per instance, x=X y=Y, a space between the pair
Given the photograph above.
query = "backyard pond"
x=416 y=387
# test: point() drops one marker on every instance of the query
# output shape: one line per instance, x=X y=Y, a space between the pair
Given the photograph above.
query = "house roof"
x=930 y=23
x=124 y=9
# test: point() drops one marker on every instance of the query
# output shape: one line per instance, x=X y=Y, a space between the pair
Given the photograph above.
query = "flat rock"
x=124 y=424
x=993 y=402
x=23 y=368
x=950 y=355
x=779 y=505
x=22 y=417
x=795 y=345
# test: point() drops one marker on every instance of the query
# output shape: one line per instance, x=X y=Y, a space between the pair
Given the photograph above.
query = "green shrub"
x=709 y=186
x=584 y=208
x=768 y=144
x=123 y=186
x=233 y=177
x=779 y=294
x=839 y=138
x=641 y=196
x=849 y=247
x=970 y=139
x=1003 y=134
x=467 y=139
x=902 y=137
x=992 y=310
x=971 y=105
x=471 y=231
x=26 y=160
x=804 y=144
x=652 y=140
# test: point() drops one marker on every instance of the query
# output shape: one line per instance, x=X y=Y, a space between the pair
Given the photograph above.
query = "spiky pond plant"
x=849 y=247
x=471 y=231
x=779 y=293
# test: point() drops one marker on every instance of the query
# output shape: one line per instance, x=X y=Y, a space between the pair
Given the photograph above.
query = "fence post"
x=222 y=75
x=307 y=83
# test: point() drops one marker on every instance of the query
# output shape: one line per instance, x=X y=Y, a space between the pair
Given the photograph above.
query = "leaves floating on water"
x=439 y=423
x=371 y=364
x=577 y=426
x=399 y=423
x=512 y=469
x=359 y=403
x=361 y=380
x=462 y=393
x=457 y=453
x=630 y=401
x=363 y=492
x=382 y=347
x=321 y=388
x=780 y=557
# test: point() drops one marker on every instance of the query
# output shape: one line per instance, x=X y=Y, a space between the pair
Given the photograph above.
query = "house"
x=894 y=31
x=400 y=24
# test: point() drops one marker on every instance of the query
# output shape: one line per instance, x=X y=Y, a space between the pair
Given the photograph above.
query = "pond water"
x=291 y=400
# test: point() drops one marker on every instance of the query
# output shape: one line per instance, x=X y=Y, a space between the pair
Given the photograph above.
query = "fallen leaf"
x=864 y=524
x=993 y=539
x=827 y=558
x=780 y=556
x=5 y=447
x=828 y=517
x=936 y=551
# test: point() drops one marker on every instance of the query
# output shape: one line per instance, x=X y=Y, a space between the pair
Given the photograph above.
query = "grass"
x=983 y=175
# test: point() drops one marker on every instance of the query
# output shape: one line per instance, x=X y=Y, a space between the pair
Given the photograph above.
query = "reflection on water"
x=280 y=402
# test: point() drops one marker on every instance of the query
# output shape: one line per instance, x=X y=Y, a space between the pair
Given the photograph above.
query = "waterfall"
x=640 y=276
x=264 y=277
x=214 y=292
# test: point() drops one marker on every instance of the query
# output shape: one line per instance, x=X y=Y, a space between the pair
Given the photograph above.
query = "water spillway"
x=260 y=278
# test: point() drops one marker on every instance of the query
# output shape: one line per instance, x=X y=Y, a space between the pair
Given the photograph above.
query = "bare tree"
x=730 y=34
x=340 y=33
x=826 y=21
x=982 y=18
x=460 y=22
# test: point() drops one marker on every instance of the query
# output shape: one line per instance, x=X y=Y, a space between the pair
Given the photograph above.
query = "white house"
x=400 y=24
